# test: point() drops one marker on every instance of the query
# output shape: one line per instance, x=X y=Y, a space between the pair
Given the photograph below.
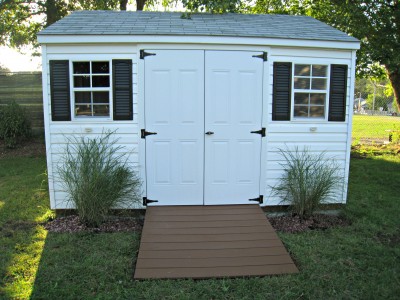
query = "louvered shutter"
x=337 y=93
x=122 y=89
x=282 y=90
x=59 y=90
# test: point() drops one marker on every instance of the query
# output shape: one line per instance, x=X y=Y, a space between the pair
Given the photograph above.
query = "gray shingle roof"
x=171 y=23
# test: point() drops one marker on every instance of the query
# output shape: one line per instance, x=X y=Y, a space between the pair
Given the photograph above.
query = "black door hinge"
x=263 y=56
x=261 y=131
x=144 y=133
x=147 y=201
x=258 y=199
x=143 y=54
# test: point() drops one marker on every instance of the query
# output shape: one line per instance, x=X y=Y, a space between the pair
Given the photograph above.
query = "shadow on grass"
x=85 y=265
x=24 y=204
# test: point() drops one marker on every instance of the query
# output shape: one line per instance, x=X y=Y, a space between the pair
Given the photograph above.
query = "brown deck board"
x=247 y=252
x=208 y=218
x=211 y=245
x=210 y=262
x=209 y=224
x=219 y=230
x=210 y=241
x=216 y=272
x=182 y=238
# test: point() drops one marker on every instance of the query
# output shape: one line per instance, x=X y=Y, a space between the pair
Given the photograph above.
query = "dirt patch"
x=294 y=224
x=31 y=148
x=70 y=224
x=391 y=240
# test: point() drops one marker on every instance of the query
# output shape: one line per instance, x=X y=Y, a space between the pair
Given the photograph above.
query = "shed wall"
x=315 y=135
x=58 y=133
x=332 y=137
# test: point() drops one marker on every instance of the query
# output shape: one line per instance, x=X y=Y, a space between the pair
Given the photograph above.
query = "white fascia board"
x=190 y=39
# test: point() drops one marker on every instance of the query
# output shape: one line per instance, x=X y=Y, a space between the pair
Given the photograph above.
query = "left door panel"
x=174 y=109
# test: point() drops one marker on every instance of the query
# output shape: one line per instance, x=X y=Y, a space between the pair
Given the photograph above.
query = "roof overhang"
x=195 y=39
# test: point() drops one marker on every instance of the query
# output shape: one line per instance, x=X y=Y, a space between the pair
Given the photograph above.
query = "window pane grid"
x=310 y=90
x=91 y=86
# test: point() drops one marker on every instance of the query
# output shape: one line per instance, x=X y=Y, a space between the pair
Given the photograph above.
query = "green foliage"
x=395 y=134
x=308 y=180
x=363 y=151
x=379 y=102
x=14 y=124
x=3 y=69
x=277 y=7
x=213 y=6
x=395 y=108
x=97 y=177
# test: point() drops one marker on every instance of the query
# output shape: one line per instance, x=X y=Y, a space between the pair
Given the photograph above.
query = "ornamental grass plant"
x=308 y=180
x=96 y=175
x=15 y=125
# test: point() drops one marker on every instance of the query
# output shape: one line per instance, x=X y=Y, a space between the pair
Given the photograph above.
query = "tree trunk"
x=140 y=4
x=122 y=4
x=394 y=77
x=51 y=12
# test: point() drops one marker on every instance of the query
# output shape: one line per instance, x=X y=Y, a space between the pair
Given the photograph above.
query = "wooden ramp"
x=210 y=241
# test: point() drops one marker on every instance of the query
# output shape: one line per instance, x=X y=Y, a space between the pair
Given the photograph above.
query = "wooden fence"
x=25 y=88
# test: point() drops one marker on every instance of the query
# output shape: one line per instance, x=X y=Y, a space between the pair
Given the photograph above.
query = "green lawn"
x=373 y=127
x=361 y=261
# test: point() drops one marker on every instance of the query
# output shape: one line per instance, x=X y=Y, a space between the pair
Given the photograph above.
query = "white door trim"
x=141 y=101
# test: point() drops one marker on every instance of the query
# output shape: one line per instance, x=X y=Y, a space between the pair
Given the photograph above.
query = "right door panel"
x=233 y=108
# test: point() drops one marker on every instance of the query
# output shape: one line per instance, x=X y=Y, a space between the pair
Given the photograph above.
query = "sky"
x=16 y=62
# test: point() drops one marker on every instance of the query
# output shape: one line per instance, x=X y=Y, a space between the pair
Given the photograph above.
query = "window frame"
x=73 y=89
x=310 y=91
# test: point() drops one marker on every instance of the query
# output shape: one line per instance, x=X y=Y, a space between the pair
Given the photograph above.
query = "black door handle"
x=209 y=132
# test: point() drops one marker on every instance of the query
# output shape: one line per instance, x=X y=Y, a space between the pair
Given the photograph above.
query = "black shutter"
x=59 y=90
x=282 y=91
x=122 y=89
x=337 y=93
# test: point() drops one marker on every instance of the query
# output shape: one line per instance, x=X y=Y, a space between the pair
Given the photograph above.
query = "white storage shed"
x=201 y=105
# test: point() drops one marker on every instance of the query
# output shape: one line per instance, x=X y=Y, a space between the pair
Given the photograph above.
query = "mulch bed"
x=70 y=224
x=294 y=224
x=287 y=223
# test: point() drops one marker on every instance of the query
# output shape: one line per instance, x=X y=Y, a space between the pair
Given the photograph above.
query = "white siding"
x=315 y=135
x=59 y=133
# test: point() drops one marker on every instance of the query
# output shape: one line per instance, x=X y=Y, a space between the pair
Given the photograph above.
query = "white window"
x=310 y=89
x=91 y=88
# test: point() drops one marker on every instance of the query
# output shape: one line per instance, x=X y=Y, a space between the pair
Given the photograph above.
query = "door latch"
x=209 y=132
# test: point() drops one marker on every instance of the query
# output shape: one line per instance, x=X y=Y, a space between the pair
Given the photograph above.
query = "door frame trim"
x=215 y=47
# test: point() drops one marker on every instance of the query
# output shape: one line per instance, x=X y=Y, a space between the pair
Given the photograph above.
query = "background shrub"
x=308 y=180
x=14 y=124
x=97 y=177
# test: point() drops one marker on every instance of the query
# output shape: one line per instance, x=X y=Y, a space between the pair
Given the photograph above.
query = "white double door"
x=203 y=106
